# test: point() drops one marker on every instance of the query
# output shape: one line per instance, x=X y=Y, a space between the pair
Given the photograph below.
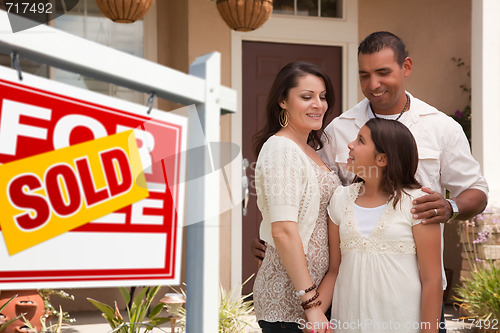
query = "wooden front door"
x=261 y=62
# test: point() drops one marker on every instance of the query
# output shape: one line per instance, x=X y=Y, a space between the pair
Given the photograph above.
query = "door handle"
x=244 y=185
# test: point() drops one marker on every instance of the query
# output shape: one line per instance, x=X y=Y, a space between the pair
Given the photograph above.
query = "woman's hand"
x=317 y=322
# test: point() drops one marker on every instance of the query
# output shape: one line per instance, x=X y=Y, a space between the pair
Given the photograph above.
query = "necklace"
x=404 y=109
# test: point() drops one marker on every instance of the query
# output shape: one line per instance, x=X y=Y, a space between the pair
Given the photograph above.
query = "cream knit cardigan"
x=287 y=188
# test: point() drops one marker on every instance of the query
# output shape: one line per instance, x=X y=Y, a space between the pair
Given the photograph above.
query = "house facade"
x=174 y=33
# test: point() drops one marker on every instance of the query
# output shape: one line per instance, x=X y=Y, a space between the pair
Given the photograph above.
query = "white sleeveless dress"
x=378 y=287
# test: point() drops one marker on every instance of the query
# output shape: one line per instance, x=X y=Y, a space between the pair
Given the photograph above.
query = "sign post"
x=202 y=268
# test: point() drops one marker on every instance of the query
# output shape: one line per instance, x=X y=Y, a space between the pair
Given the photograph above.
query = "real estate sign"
x=91 y=188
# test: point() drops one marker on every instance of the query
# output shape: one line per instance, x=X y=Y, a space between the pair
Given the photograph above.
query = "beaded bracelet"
x=303 y=292
x=312 y=305
x=310 y=299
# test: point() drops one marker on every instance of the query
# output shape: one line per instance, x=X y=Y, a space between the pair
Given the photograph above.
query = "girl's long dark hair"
x=398 y=144
x=287 y=79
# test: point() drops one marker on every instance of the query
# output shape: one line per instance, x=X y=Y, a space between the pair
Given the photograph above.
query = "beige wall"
x=434 y=32
x=188 y=29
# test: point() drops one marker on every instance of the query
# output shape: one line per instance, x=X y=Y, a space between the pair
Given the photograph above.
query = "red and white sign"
x=91 y=188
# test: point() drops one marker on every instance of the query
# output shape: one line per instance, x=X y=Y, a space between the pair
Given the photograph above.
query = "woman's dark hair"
x=287 y=79
x=376 y=41
x=398 y=144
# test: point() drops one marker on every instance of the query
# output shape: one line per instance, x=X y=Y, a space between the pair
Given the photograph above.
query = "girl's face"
x=306 y=104
x=364 y=160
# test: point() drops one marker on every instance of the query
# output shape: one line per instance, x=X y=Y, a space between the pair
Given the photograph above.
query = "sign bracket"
x=15 y=64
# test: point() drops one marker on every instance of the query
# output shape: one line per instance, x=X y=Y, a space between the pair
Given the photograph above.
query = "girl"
x=294 y=187
x=389 y=269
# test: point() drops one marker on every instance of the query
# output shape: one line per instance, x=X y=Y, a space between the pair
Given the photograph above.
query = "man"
x=445 y=161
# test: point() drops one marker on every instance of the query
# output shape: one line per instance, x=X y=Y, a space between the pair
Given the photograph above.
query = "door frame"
x=295 y=30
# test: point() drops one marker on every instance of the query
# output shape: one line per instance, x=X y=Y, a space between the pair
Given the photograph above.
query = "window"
x=317 y=8
x=27 y=66
x=87 y=21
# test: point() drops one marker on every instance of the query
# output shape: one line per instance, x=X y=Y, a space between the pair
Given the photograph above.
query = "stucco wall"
x=434 y=32
x=188 y=29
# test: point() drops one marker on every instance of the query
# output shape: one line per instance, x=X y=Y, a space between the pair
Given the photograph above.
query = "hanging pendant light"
x=245 y=15
x=124 y=11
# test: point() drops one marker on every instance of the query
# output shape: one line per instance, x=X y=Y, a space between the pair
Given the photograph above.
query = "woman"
x=294 y=187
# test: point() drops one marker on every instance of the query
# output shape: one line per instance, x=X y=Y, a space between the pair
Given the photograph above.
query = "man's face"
x=382 y=80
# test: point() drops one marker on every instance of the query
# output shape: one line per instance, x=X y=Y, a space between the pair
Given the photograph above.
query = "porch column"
x=485 y=84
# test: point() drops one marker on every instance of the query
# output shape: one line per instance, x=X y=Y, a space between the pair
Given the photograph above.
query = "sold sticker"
x=46 y=195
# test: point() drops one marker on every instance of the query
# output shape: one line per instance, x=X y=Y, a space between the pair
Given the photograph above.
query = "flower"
x=477 y=293
x=481 y=237
x=463 y=117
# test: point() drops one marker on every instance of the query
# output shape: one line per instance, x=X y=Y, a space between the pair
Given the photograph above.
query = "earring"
x=283 y=118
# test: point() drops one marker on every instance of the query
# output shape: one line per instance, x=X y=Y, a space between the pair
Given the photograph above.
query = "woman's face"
x=306 y=104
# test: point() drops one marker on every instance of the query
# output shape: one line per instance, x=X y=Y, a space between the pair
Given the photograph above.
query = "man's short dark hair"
x=376 y=41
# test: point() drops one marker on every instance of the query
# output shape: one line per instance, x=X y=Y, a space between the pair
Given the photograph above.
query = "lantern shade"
x=124 y=11
x=245 y=15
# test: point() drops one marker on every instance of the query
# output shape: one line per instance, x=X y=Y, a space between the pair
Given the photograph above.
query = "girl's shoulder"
x=341 y=200
x=346 y=194
x=407 y=197
x=413 y=193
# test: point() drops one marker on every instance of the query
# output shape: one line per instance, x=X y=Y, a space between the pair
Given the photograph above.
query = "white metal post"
x=202 y=269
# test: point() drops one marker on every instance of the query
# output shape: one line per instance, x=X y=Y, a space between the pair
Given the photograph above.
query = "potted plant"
x=235 y=311
x=478 y=294
x=245 y=15
x=124 y=11
x=4 y=320
x=140 y=318
x=31 y=311
x=479 y=297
